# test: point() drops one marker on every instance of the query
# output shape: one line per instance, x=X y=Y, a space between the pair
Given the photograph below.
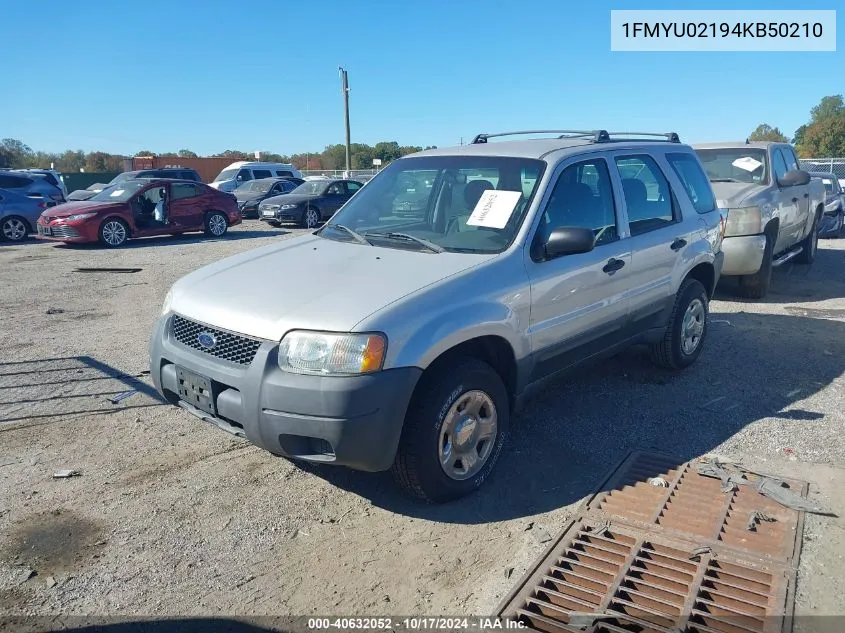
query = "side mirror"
x=569 y=241
x=794 y=178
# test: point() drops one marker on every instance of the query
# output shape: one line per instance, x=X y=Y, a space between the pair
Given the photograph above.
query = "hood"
x=81 y=206
x=246 y=196
x=223 y=185
x=291 y=198
x=81 y=194
x=308 y=282
x=731 y=194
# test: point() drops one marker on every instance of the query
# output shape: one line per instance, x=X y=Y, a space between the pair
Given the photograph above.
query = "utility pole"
x=344 y=83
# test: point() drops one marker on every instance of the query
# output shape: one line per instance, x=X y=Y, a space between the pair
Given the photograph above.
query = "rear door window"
x=695 y=181
x=14 y=182
x=182 y=190
x=284 y=174
x=261 y=173
x=648 y=196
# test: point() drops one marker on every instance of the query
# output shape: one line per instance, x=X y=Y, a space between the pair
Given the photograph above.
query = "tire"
x=432 y=425
x=810 y=245
x=841 y=230
x=687 y=329
x=274 y=224
x=14 y=229
x=113 y=232
x=216 y=224
x=757 y=286
x=311 y=217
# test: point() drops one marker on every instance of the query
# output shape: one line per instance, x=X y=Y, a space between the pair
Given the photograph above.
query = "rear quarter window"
x=14 y=182
x=696 y=184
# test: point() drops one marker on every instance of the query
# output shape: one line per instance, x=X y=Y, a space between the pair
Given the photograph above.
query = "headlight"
x=288 y=206
x=744 y=221
x=79 y=216
x=305 y=352
x=168 y=299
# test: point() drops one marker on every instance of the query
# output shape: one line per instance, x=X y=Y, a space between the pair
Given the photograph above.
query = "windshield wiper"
x=410 y=238
x=724 y=180
x=355 y=234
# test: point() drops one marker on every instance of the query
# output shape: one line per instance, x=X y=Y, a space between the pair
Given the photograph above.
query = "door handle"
x=678 y=244
x=806 y=195
x=795 y=199
x=613 y=265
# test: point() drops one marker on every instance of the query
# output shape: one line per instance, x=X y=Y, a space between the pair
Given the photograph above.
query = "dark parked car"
x=252 y=193
x=831 y=224
x=309 y=204
x=18 y=214
x=32 y=185
x=127 y=210
x=177 y=173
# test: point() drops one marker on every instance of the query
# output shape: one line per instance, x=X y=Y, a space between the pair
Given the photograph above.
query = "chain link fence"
x=834 y=166
x=338 y=173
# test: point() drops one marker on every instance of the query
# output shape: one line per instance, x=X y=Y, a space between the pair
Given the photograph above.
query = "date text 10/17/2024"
x=414 y=624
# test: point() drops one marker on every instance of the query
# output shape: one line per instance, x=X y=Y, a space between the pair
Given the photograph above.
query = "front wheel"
x=684 y=338
x=14 y=229
x=114 y=232
x=454 y=431
x=216 y=224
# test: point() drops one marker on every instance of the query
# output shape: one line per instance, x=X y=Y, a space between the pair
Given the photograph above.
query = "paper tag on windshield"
x=494 y=209
x=116 y=193
x=747 y=163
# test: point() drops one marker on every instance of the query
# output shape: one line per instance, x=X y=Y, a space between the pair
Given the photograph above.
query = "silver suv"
x=408 y=340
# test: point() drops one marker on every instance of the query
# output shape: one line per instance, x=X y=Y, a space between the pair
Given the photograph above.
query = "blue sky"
x=213 y=75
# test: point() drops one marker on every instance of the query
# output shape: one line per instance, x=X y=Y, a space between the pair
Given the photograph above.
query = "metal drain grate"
x=648 y=559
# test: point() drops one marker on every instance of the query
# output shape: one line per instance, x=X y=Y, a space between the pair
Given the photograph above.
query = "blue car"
x=18 y=215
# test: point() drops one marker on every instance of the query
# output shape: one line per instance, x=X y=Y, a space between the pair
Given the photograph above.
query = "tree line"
x=823 y=136
x=15 y=154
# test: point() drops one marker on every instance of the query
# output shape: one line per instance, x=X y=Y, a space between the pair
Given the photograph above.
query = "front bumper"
x=351 y=421
x=56 y=231
x=280 y=215
x=743 y=255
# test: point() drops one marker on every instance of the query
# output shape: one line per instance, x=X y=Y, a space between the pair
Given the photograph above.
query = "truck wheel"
x=757 y=286
x=809 y=245
x=454 y=431
x=687 y=328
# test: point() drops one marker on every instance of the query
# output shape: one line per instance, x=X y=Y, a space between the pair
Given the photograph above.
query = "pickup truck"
x=773 y=209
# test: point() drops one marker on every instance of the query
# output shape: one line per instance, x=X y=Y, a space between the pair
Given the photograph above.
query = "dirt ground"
x=172 y=517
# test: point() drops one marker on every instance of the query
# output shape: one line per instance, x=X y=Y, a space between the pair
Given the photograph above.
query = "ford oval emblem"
x=207 y=340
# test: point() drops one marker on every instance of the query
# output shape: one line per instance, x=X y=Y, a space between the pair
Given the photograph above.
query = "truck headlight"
x=744 y=221
x=322 y=353
x=168 y=299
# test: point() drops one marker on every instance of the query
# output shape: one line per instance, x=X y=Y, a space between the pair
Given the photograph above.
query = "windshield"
x=312 y=187
x=257 y=186
x=738 y=164
x=119 y=178
x=828 y=185
x=470 y=204
x=226 y=174
x=118 y=193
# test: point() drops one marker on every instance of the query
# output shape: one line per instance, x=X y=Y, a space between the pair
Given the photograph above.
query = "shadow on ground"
x=186 y=238
x=755 y=366
x=41 y=390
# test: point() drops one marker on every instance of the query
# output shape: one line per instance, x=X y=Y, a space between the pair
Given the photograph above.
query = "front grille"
x=64 y=231
x=227 y=346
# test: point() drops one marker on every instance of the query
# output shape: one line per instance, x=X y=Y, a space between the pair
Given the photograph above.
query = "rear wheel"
x=454 y=431
x=810 y=245
x=14 y=229
x=684 y=338
x=757 y=286
x=216 y=224
x=114 y=232
x=311 y=217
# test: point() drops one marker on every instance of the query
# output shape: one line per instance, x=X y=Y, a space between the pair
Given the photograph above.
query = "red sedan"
x=141 y=208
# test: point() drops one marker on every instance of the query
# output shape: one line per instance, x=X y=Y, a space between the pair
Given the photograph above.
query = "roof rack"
x=595 y=136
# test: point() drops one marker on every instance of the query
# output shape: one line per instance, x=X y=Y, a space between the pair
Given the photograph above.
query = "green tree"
x=386 y=151
x=15 y=154
x=186 y=153
x=798 y=139
x=832 y=106
x=824 y=138
x=144 y=152
x=765 y=132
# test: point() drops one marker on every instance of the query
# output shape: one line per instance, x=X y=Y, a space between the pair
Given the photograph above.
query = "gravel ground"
x=170 y=516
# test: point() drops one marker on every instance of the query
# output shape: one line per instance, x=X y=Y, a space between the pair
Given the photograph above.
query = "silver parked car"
x=408 y=340
x=18 y=214
x=833 y=221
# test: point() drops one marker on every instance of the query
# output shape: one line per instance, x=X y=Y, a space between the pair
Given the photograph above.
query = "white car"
x=240 y=172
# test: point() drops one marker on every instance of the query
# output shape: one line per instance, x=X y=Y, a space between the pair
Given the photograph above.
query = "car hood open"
x=309 y=282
